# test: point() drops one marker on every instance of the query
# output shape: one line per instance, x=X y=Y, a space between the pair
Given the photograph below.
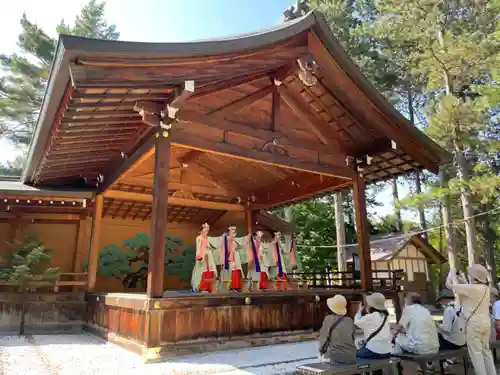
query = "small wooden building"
x=409 y=252
x=167 y=136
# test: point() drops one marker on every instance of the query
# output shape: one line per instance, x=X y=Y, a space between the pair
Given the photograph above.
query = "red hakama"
x=263 y=280
x=281 y=281
x=206 y=281
x=236 y=279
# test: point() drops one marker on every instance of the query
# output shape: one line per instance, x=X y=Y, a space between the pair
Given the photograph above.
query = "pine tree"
x=23 y=85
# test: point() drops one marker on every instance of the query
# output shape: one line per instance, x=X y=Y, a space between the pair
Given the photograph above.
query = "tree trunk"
x=340 y=228
x=490 y=239
x=448 y=223
x=397 y=210
x=468 y=209
x=421 y=211
x=441 y=279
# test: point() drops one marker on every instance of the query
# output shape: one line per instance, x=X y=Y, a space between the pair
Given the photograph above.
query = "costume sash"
x=255 y=254
x=226 y=253
x=278 y=259
x=202 y=251
x=293 y=260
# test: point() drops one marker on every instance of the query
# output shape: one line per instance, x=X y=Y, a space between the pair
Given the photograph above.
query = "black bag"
x=324 y=348
x=376 y=332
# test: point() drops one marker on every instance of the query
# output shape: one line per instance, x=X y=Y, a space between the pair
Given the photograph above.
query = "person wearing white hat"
x=374 y=322
x=336 y=337
x=475 y=300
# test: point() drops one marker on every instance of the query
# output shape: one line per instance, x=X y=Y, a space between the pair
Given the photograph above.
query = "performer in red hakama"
x=280 y=263
x=257 y=269
x=205 y=270
x=231 y=259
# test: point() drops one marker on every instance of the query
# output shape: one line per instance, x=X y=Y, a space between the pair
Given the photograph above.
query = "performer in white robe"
x=231 y=263
x=257 y=269
x=278 y=272
x=205 y=270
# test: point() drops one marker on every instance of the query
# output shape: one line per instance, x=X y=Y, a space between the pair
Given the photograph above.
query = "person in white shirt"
x=416 y=331
x=451 y=332
x=376 y=329
x=475 y=301
x=496 y=315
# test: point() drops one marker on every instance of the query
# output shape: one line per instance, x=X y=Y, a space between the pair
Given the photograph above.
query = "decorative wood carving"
x=184 y=194
x=275 y=149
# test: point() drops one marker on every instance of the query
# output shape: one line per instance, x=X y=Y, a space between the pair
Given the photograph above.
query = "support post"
x=249 y=215
x=156 y=270
x=362 y=233
x=340 y=229
x=82 y=243
x=94 y=244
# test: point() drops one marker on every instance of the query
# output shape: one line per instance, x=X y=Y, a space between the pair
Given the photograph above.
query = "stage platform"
x=183 y=323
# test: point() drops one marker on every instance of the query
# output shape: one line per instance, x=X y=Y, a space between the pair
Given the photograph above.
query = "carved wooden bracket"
x=275 y=149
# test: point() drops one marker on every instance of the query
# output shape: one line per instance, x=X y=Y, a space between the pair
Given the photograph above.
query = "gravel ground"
x=87 y=354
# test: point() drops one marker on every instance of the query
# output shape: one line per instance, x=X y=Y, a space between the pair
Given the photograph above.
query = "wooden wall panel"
x=60 y=237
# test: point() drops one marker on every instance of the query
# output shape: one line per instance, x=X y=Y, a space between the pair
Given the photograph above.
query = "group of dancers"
x=234 y=263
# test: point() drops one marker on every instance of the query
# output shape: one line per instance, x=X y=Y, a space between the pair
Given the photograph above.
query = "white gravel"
x=86 y=354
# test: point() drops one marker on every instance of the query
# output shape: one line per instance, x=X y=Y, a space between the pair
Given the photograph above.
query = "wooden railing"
x=382 y=279
x=74 y=280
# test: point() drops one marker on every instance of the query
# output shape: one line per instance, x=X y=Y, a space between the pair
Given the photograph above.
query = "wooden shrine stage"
x=188 y=323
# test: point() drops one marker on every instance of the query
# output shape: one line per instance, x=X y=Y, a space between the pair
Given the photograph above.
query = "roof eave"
x=58 y=79
x=322 y=30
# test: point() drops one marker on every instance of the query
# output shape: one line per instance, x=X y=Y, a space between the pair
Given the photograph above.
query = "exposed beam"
x=367 y=111
x=41 y=216
x=174 y=201
x=194 y=189
x=243 y=102
x=132 y=118
x=80 y=96
x=191 y=118
x=299 y=187
x=137 y=158
x=106 y=114
x=318 y=126
x=275 y=112
x=86 y=105
x=185 y=139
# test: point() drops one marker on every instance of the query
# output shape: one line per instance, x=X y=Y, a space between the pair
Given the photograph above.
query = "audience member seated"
x=451 y=333
x=336 y=339
x=496 y=313
x=374 y=322
x=416 y=332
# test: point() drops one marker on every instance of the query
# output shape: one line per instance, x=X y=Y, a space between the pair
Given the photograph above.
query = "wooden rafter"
x=243 y=102
x=318 y=126
x=174 y=201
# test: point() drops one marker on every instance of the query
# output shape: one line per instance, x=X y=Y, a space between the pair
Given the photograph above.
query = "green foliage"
x=25 y=74
x=28 y=263
x=133 y=257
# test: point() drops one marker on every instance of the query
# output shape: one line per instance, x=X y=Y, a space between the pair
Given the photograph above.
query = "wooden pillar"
x=94 y=242
x=340 y=229
x=249 y=217
x=362 y=233
x=156 y=270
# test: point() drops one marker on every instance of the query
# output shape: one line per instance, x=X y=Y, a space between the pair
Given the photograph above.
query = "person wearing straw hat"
x=475 y=300
x=374 y=322
x=336 y=337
